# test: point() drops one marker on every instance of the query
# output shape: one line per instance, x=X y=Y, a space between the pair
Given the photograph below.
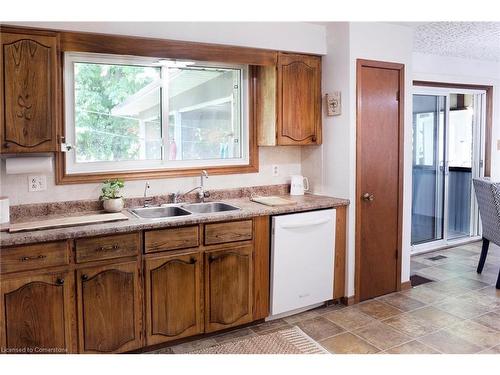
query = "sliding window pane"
x=117 y=112
x=204 y=113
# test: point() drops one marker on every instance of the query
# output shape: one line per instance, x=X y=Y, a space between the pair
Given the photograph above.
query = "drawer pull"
x=104 y=248
x=85 y=277
x=26 y=259
x=60 y=281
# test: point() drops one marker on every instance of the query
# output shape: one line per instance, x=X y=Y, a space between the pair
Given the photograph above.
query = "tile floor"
x=457 y=313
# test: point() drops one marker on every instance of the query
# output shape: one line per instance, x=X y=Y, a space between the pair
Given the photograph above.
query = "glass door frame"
x=478 y=147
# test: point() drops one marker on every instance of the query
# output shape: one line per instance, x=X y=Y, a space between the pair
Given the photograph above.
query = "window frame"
x=72 y=168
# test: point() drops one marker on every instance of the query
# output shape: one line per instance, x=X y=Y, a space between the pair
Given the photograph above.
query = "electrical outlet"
x=276 y=170
x=37 y=183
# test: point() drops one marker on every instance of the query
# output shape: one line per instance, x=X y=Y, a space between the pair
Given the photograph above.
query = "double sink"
x=167 y=211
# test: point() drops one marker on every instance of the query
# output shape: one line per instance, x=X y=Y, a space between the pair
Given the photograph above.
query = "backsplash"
x=288 y=159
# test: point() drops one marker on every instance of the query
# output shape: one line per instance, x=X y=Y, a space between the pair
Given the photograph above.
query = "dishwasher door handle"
x=305 y=224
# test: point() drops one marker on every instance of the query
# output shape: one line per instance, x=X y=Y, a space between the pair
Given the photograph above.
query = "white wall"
x=428 y=67
x=347 y=42
x=286 y=36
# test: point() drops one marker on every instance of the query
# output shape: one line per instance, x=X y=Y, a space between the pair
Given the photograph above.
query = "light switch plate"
x=37 y=183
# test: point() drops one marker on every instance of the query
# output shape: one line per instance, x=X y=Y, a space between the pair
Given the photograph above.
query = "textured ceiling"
x=473 y=40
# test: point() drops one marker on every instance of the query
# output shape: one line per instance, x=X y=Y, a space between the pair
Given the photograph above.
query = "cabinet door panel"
x=300 y=98
x=109 y=307
x=29 y=92
x=37 y=314
x=173 y=297
x=228 y=287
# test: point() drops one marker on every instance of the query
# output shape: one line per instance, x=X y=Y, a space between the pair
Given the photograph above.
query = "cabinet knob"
x=60 y=281
x=192 y=260
x=313 y=138
x=85 y=277
x=6 y=145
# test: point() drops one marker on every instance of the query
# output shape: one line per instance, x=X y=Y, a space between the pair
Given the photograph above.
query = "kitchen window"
x=125 y=113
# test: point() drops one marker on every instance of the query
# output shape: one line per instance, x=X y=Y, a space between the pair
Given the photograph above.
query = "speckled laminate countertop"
x=248 y=209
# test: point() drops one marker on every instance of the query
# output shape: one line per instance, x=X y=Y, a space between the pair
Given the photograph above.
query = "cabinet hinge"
x=397 y=95
x=397 y=254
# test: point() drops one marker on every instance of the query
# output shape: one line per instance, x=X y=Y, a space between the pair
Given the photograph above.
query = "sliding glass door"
x=447 y=153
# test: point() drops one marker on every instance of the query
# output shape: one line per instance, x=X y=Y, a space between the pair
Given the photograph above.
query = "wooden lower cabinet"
x=37 y=312
x=109 y=308
x=174 y=298
x=228 y=287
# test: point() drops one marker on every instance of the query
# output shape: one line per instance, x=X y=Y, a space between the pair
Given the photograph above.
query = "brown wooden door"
x=174 y=300
x=37 y=314
x=299 y=99
x=28 y=92
x=109 y=308
x=228 y=287
x=379 y=178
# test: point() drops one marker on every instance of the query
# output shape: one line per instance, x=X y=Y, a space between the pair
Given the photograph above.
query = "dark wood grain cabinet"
x=288 y=101
x=299 y=99
x=29 y=93
x=66 y=301
x=228 y=287
x=37 y=314
x=174 y=298
x=109 y=308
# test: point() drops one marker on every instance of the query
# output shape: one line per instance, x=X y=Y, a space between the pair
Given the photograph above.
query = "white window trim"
x=74 y=168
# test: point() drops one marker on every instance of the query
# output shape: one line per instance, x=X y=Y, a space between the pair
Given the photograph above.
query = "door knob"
x=367 y=197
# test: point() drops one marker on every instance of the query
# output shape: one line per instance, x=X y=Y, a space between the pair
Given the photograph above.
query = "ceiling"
x=473 y=40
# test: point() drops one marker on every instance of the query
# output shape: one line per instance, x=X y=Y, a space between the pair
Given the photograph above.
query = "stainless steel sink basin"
x=209 y=207
x=159 y=212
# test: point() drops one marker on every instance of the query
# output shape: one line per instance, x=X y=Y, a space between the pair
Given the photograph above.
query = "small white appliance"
x=299 y=184
x=302 y=261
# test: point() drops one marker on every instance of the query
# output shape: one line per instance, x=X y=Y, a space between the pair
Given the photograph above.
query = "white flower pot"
x=113 y=205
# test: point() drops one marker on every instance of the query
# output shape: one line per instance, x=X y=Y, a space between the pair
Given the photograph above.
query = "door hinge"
x=397 y=95
x=397 y=254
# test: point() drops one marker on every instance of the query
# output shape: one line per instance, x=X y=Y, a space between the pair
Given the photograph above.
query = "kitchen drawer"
x=171 y=239
x=31 y=257
x=107 y=247
x=228 y=232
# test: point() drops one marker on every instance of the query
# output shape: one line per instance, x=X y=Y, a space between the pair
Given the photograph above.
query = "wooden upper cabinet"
x=37 y=314
x=299 y=99
x=288 y=101
x=174 y=304
x=228 y=287
x=28 y=92
x=109 y=308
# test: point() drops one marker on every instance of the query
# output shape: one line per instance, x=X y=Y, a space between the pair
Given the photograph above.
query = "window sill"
x=62 y=178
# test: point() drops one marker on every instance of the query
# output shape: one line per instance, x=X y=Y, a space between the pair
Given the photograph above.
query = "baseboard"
x=406 y=285
x=348 y=301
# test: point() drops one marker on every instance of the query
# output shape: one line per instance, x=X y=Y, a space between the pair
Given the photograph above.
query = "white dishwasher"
x=302 y=261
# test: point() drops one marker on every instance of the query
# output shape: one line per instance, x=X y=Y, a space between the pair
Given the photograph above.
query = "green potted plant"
x=111 y=195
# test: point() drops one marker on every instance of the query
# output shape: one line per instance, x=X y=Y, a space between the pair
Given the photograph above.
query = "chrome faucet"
x=147 y=201
x=202 y=193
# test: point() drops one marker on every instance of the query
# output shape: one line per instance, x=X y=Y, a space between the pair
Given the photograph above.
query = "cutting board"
x=66 y=222
x=273 y=201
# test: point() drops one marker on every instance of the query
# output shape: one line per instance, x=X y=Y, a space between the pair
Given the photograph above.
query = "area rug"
x=289 y=341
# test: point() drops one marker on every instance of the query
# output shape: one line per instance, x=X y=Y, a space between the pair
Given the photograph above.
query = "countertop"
x=248 y=209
